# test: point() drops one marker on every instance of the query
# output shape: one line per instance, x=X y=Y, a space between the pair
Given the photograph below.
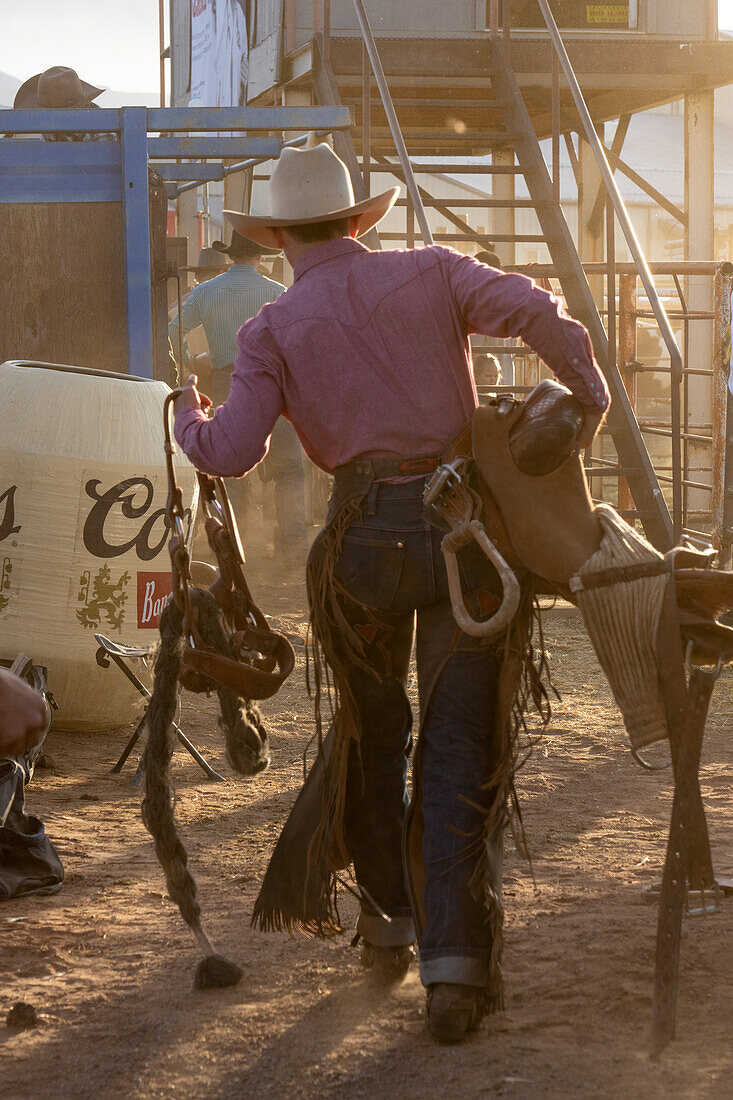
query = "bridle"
x=261 y=658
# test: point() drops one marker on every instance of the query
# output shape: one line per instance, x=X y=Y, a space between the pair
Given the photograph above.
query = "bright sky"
x=110 y=43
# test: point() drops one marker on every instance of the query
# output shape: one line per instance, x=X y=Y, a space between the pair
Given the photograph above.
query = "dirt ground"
x=108 y=963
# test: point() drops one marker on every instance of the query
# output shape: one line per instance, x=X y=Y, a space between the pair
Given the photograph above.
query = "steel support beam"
x=136 y=231
x=503 y=188
x=699 y=244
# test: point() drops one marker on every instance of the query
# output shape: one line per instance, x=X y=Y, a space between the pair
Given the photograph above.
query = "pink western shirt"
x=367 y=353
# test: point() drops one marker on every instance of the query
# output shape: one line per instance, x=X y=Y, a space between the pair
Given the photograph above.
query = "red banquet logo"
x=153 y=593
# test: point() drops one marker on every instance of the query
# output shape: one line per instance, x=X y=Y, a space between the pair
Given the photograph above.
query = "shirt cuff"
x=592 y=392
x=188 y=415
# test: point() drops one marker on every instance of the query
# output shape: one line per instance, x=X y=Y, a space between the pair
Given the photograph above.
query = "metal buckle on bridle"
x=448 y=496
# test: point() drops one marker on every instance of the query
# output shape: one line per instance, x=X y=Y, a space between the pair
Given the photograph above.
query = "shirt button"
x=400 y=546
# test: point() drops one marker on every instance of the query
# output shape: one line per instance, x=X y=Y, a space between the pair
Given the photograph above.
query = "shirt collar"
x=242 y=269
x=322 y=253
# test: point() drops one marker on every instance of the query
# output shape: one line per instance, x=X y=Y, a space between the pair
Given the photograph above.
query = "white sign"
x=218 y=53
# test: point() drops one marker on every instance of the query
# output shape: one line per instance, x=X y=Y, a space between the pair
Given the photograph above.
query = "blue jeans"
x=392 y=567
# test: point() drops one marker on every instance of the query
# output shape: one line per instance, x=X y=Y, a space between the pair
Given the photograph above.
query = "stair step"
x=442 y=168
x=504 y=137
x=498 y=238
x=478 y=204
x=352 y=97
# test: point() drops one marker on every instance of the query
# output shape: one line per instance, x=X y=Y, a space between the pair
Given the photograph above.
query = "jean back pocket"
x=370 y=566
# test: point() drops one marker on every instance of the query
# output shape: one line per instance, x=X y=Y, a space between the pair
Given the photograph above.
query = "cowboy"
x=367 y=354
x=60 y=87
x=486 y=367
x=221 y=306
x=196 y=355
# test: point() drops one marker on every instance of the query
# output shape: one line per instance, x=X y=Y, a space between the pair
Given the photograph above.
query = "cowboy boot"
x=386 y=965
x=453 y=1010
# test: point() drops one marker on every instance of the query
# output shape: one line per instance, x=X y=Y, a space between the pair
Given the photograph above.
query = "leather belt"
x=381 y=469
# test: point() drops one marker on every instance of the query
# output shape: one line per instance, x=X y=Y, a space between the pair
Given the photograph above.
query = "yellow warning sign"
x=607 y=13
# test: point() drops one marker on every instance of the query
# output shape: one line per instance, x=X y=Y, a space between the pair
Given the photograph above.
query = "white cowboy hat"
x=308 y=186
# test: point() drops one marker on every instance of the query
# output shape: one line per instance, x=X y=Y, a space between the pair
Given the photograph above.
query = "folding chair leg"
x=103 y=657
x=200 y=760
x=130 y=745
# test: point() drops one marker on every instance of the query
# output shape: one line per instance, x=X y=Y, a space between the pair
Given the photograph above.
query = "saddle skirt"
x=549 y=521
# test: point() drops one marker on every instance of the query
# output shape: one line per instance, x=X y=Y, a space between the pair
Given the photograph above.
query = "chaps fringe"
x=524 y=685
x=313 y=836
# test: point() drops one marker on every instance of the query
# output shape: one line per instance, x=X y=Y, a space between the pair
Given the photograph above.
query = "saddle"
x=547 y=526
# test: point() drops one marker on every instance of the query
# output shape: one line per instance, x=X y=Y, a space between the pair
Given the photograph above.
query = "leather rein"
x=262 y=658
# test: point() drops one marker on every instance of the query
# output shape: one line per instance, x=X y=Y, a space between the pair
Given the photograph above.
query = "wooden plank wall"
x=62 y=284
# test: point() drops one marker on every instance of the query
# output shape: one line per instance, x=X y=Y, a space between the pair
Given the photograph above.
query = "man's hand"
x=593 y=420
x=23 y=715
x=190 y=396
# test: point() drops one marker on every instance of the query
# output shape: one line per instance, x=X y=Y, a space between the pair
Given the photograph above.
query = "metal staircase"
x=511 y=127
x=632 y=454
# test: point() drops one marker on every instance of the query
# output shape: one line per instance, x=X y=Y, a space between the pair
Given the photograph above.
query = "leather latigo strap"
x=260 y=659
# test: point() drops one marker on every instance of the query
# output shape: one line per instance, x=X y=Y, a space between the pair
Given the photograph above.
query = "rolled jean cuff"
x=461 y=969
x=398 y=932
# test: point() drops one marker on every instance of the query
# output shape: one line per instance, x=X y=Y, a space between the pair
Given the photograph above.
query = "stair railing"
x=502 y=24
x=413 y=190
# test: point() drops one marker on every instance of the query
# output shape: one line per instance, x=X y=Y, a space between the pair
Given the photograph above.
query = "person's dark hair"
x=319 y=231
x=489 y=258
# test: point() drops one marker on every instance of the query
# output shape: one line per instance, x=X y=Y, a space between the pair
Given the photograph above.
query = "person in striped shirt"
x=221 y=306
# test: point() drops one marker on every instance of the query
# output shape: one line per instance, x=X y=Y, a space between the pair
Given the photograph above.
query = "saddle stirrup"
x=456 y=504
